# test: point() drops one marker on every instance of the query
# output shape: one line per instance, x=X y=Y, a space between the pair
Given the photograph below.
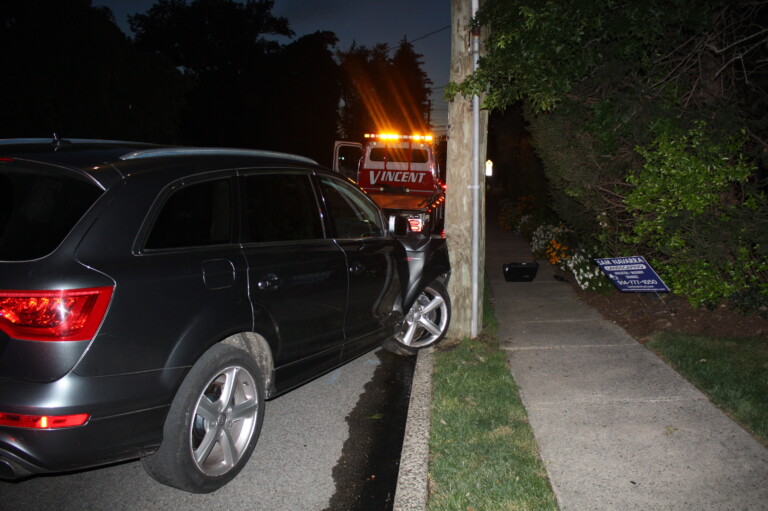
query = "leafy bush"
x=693 y=209
x=588 y=196
x=685 y=194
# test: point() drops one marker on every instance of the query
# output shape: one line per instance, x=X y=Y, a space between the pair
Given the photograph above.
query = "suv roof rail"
x=201 y=151
x=18 y=141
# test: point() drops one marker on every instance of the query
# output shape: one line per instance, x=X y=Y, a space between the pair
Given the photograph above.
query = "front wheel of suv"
x=426 y=322
x=213 y=423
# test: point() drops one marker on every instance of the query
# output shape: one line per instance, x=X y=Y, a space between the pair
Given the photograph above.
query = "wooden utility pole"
x=466 y=191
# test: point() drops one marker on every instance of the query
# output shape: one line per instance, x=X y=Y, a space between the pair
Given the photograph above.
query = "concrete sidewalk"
x=618 y=429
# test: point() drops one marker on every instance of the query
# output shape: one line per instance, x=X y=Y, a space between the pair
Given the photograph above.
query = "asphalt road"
x=325 y=446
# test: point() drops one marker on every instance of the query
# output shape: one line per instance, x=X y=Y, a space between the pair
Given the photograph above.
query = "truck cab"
x=400 y=173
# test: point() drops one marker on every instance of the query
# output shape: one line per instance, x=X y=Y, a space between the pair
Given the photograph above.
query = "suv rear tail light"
x=415 y=223
x=16 y=420
x=62 y=315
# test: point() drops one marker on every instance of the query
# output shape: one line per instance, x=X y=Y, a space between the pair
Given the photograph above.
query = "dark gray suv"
x=152 y=298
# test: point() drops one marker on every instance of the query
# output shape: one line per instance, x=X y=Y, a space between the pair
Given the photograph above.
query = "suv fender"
x=427 y=260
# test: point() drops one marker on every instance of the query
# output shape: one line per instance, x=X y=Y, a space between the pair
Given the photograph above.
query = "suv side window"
x=195 y=215
x=280 y=207
x=352 y=213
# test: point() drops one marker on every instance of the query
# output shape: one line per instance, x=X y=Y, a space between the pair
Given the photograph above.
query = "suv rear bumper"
x=26 y=452
x=116 y=430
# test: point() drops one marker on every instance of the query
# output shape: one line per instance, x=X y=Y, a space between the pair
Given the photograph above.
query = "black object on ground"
x=520 y=272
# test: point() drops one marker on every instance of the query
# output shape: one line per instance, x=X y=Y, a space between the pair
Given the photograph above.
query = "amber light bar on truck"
x=395 y=136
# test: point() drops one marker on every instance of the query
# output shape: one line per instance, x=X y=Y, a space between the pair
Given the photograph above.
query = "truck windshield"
x=399 y=154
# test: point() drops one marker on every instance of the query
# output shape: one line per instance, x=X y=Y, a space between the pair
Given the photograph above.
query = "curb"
x=412 y=491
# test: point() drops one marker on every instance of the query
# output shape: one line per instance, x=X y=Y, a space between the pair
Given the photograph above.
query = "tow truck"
x=400 y=173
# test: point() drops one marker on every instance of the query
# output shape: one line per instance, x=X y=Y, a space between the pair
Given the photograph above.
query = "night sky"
x=365 y=22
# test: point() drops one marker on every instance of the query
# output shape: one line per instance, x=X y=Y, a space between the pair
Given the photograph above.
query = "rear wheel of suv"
x=213 y=423
x=426 y=322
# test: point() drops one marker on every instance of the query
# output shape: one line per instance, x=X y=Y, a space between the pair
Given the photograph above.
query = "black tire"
x=213 y=423
x=426 y=322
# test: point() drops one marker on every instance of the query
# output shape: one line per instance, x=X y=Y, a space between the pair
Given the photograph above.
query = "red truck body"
x=400 y=172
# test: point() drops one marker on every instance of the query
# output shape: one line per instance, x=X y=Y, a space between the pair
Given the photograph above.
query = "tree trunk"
x=459 y=179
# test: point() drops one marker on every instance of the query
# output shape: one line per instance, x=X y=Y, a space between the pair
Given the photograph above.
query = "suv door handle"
x=269 y=282
x=356 y=268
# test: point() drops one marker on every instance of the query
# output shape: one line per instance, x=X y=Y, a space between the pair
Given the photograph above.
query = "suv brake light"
x=59 y=315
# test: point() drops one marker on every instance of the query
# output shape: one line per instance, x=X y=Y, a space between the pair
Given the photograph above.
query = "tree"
x=70 y=70
x=459 y=201
x=363 y=73
x=210 y=36
x=408 y=88
x=305 y=94
x=221 y=46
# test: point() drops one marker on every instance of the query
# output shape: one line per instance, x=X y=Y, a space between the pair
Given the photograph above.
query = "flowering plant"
x=588 y=275
x=551 y=242
x=558 y=253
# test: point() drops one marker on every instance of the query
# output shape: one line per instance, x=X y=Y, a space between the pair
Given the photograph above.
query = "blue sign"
x=632 y=274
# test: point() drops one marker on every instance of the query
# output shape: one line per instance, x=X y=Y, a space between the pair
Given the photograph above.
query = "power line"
x=430 y=34
x=389 y=49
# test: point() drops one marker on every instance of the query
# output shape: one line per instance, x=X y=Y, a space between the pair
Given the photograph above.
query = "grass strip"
x=732 y=372
x=483 y=453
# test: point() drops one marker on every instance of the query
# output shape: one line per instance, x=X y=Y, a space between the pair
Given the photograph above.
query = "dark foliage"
x=650 y=121
x=69 y=69
x=198 y=72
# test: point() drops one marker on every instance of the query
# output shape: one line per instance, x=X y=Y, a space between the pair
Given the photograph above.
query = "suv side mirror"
x=398 y=225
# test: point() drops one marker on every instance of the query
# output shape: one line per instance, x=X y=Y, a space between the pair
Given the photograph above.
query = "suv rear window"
x=37 y=210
